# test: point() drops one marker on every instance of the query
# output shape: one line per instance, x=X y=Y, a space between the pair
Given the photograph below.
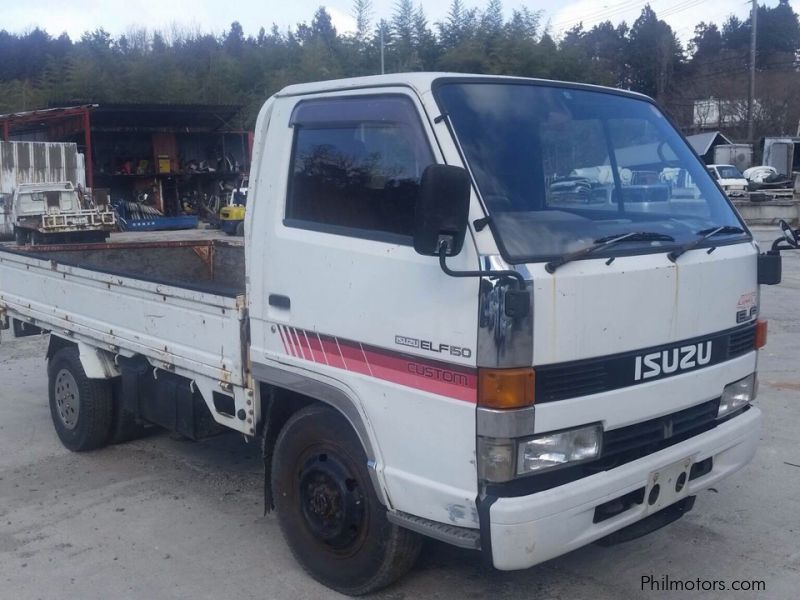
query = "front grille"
x=634 y=441
x=596 y=375
x=741 y=342
x=572 y=382
x=621 y=446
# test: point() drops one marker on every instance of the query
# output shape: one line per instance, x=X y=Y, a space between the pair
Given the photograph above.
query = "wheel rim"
x=332 y=502
x=68 y=399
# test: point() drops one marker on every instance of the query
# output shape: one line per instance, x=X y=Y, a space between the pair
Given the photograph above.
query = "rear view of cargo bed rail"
x=180 y=305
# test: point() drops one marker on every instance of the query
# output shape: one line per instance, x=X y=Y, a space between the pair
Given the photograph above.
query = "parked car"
x=730 y=179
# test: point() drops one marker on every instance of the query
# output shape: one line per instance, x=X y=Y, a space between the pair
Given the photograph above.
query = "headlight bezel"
x=569 y=435
x=737 y=395
x=490 y=449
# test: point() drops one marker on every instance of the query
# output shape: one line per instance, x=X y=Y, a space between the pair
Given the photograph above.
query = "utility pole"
x=383 y=70
x=752 y=98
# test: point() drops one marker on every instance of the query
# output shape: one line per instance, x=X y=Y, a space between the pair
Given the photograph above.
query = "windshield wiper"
x=605 y=242
x=704 y=235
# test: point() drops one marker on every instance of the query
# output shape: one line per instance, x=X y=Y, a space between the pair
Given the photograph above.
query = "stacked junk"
x=776 y=178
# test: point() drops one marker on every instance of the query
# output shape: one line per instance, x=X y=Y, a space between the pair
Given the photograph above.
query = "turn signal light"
x=505 y=388
x=761 y=333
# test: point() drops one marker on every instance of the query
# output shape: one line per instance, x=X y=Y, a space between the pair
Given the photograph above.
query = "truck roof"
x=422 y=82
x=43 y=187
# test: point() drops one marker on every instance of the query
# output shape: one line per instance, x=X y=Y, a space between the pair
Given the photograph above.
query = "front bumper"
x=531 y=529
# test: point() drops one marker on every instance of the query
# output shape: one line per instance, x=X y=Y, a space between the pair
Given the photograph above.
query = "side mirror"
x=442 y=210
x=790 y=235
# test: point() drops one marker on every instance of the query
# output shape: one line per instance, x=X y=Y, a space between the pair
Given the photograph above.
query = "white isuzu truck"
x=471 y=309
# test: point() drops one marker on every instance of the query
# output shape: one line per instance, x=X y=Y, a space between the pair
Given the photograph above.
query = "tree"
x=401 y=28
x=707 y=41
x=362 y=13
x=233 y=40
x=653 y=54
x=458 y=24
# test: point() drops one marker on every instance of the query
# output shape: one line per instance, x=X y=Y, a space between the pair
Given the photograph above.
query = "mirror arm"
x=498 y=274
x=777 y=247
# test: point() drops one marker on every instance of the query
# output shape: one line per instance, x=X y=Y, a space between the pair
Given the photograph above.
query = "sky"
x=116 y=17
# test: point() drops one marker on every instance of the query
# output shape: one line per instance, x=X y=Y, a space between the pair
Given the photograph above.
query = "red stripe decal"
x=283 y=339
x=436 y=377
x=298 y=348
x=353 y=357
x=332 y=352
x=288 y=334
x=307 y=345
x=316 y=347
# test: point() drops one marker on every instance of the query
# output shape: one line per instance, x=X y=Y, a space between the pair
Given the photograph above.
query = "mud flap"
x=649 y=524
x=23 y=329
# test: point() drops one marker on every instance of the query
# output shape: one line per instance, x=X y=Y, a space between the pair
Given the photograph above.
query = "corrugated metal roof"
x=43 y=112
x=702 y=142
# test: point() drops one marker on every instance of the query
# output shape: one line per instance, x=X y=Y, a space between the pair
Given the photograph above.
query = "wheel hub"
x=68 y=400
x=332 y=501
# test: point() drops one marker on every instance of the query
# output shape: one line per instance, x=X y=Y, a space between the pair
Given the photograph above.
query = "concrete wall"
x=769 y=213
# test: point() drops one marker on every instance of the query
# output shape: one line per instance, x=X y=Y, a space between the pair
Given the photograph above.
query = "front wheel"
x=328 y=510
x=81 y=408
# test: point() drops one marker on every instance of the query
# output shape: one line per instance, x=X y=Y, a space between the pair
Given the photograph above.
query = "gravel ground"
x=165 y=518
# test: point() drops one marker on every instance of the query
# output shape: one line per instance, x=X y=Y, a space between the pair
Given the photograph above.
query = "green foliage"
x=176 y=65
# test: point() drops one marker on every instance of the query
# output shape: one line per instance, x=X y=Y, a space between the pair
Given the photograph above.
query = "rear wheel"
x=328 y=510
x=81 y=408
x=240 y=229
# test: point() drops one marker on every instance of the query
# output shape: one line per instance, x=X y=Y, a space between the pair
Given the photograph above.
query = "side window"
x=356 y=166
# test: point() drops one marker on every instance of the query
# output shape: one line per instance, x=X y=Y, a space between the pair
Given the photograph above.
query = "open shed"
x=179 y=155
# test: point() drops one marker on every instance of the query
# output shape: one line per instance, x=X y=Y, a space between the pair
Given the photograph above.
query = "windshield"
x=558 y=168
x=47 y=201
x=729 y=172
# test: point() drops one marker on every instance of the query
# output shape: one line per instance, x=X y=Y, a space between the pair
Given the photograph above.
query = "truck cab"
x=57 y=212
x=541 y=420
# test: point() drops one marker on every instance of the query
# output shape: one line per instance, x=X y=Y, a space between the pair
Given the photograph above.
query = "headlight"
x=557 y=449
x=737 y=394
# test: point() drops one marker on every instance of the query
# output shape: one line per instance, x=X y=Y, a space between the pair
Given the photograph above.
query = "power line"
x=629 y=5
x=680 y=8
x=625 y=7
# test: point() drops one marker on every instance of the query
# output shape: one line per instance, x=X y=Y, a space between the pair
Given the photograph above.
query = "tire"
x=318 y=465
x=240 y=229
x=81 y=408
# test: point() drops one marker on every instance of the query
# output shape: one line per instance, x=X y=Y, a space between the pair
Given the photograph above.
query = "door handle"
x=280 y=301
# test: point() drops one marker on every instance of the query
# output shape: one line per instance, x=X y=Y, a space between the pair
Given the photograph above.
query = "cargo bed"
x=180 y=304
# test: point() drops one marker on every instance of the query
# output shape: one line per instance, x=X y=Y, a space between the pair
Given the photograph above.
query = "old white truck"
x=43 y=195
x=428 y=335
